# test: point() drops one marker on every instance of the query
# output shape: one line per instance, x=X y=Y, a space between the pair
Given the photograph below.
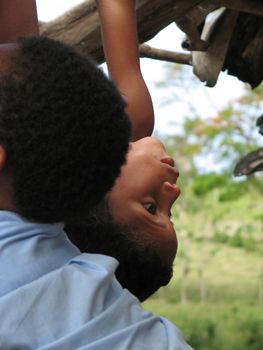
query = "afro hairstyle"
x=64 y=128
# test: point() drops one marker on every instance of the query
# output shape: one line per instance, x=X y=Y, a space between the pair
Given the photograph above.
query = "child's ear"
x=2 y=157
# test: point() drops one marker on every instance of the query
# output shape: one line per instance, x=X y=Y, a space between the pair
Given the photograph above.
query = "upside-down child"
x=55 y=105
x=133 y=221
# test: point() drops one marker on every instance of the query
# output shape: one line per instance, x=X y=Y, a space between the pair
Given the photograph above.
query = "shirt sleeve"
x=82 y=306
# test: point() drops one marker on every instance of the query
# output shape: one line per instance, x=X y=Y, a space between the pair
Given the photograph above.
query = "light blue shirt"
x=53 y=298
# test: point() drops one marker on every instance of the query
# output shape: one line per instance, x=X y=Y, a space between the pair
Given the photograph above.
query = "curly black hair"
x=64 y=127
x=141 y=269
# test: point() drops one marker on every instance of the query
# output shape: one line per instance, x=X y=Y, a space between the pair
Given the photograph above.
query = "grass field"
x=215 y=326
x=216 y=294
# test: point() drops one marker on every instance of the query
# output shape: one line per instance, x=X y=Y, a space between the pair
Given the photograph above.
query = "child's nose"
x=172 y=191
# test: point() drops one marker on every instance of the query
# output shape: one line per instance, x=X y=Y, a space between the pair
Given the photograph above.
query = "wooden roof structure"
x=221 y=35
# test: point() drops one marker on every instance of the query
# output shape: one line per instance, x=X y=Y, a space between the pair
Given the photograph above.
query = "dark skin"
x=122 y=57
x=20 y=19
x=17 y=18
x=120 y=43
x=6 y=191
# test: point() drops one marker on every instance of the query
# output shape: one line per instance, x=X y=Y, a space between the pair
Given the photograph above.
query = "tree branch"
x=250 y=6
x=80 y=27
x=165 y=55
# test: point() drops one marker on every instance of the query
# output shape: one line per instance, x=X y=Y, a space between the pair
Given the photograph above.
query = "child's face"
x=144 y=194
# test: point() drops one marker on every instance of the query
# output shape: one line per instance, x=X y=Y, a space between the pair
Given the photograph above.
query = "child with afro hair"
x=63 y=131
x=129 y=233
x=64 y=135
x=133 y=222
x=54 y=297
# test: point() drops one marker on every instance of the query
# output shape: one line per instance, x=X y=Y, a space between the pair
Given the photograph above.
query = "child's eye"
x=151 y=208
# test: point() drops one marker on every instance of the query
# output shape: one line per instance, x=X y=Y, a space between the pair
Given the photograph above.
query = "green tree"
x=225 y=137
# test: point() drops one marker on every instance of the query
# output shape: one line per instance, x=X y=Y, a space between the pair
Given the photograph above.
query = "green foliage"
x=203 y=184
x=220 y=237
x=253 y=333
x=220 y=244
x=224 y=137
x=233 y=191
x=200 y=332
x=215 y=326
x=220 y=188
x=216 y=297
x=250 y=244
x=236 y=240
x=230 y=134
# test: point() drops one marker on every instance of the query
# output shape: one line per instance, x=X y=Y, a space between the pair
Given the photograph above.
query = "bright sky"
x=208 y=100
x=50 y=9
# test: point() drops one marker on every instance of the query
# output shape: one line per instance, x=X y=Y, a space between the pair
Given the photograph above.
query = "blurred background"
x=216 y=294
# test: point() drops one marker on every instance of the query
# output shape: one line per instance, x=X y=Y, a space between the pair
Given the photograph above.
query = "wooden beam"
x=80 y=27
x=207 y=65
x=254 y=7
x=165 y=55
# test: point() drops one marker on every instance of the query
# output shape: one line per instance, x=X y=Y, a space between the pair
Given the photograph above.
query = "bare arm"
x=17 y=18
x=119 y=33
